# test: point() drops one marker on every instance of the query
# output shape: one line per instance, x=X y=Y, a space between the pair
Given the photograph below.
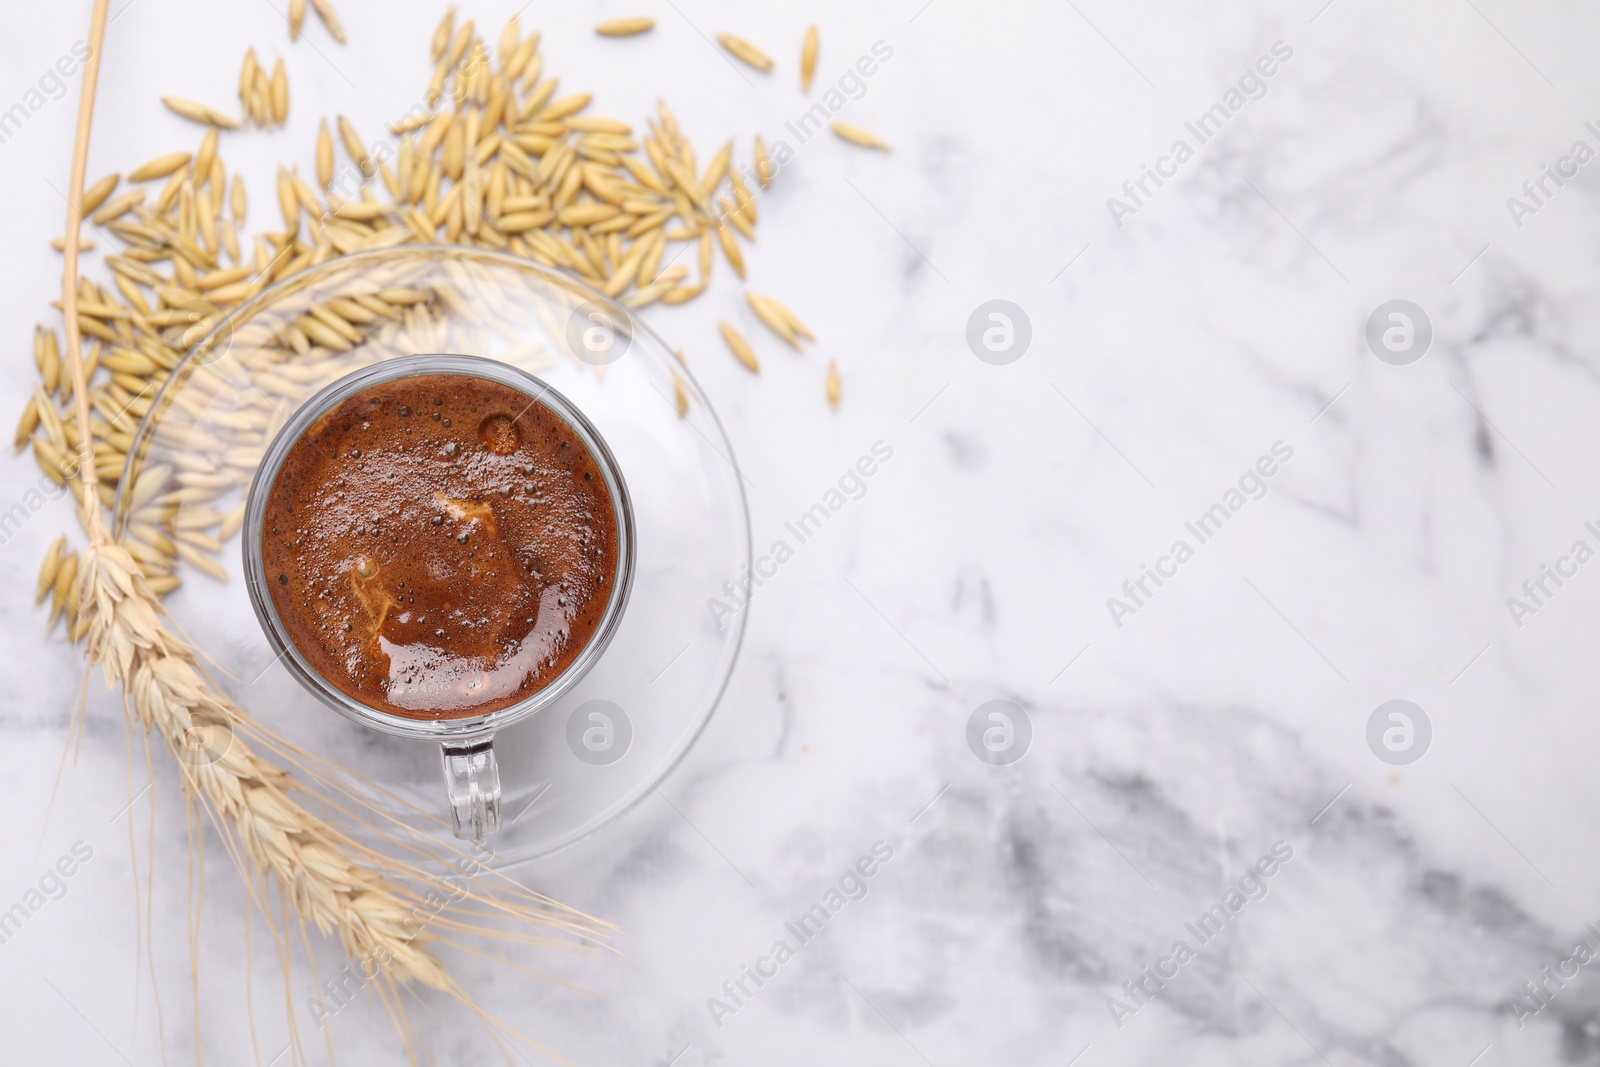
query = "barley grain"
x=730 y=248
x=531 y=71
x=330 y=19
x=47 y=570
x=560 y=109
x=648 y=294
x=247 y=76
x=523 y=221
x=680 y=397
x=441 y=35
x=256 y=105
x=649 y=266
x=288 y=203
x=162 y=584
x=324 y=155
x=599 y=125
x=47 y=357
x=412 y=122
x=196 y=112
x=201 y=561
x=739 y=347
x=717 y=169
x=200 y=168
x=61 y=585
x=453 y=158
x=458 y=45
x=745 y=52
x=117 y=206
x=231 y=523
x=731 y=213
x=280 y=93
x=856 y=135
x=625 y=27
x=97 y=193
x=705 y=256
x=510 y=37
x=517 y=62
x=789 y=317
x=26 y=424
x=159 y=167
x=772 y=319
x=585 y=214
x=764 y=168
x=808 y=58
x=352 y=145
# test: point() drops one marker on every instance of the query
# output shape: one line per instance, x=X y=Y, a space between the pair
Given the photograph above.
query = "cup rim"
x=466 y=728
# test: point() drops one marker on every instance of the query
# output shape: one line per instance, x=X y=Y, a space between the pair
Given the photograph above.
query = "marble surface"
x=1216 y=719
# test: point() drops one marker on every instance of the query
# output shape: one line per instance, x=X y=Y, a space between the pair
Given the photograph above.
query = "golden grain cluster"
x=498 y=159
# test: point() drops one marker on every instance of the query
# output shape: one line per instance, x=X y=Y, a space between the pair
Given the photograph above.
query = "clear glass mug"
x=471 y=775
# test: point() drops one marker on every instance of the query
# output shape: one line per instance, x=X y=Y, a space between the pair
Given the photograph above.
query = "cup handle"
x=472 y=780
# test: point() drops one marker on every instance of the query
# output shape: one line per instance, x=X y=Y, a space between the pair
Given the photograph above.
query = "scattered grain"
x=746 y=52
x=808 y=58
x=856 y=135
x=740 y=348
x=195 y=112
x=159 y=167
x=625 y=27
x=324 y=155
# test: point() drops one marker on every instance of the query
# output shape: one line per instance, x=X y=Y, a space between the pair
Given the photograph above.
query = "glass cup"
x=472 y=777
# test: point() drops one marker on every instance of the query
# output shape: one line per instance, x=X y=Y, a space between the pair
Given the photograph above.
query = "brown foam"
x=439 y=546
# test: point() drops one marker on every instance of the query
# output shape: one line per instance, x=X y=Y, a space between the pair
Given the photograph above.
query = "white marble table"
x=1200 y=747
